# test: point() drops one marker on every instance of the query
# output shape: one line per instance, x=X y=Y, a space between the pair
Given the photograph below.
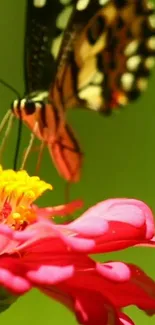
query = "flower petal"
x=130 y=211
x=49 y=274
x=130 y=222
x=84 y=227
x=97 y=310
x=138 y=290
x=125 y=320
x=114 y=271
x=13 y=282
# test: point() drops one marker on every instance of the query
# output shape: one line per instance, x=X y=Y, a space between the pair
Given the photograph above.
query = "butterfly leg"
x=30 y=145
x=41 y=149
x=5 y=119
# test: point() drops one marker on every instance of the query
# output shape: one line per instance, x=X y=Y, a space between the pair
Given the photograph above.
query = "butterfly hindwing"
x=110 y=53
x=66 y=154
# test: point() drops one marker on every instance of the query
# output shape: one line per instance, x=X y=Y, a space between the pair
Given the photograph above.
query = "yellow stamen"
x=17 y=192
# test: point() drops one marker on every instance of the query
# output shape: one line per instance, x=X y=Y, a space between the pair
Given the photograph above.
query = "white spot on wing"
x=142 y=84
x=92 y=94
x=133 y=62
x=63 y=17
x=131 y=48
x=103 y=2
x=151 y=43
x=152 y=21
x=87 y=72
x=149 y=62
x=39 y=3
x=127 y=80
x=98 y=78
x=82 y=4
x=56 y=45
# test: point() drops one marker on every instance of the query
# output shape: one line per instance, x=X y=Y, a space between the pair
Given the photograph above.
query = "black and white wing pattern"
x=107 y=54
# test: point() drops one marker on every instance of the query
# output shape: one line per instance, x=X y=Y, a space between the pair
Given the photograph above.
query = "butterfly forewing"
x=43 y=31
x=112 y=49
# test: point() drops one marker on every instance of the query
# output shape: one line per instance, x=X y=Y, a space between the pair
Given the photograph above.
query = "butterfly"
x=91 y=54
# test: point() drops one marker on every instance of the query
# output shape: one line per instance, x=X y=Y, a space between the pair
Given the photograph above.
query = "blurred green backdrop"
x=119 y=162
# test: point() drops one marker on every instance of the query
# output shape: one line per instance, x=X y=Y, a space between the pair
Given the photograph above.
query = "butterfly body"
x=106 y=53
x=50 y=128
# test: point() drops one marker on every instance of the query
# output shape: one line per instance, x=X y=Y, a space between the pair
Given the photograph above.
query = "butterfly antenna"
x=7 y=115
x=4 y=83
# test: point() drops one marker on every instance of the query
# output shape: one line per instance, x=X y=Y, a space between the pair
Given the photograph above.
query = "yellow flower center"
x=17 y=193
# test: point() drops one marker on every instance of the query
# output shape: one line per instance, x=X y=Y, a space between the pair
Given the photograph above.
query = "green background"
x=119 y=162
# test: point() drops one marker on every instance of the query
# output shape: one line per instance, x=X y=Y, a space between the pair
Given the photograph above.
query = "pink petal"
x=89 y=228
x=57 y=236
x=22 y=236
x=13 y=282
x=80 y=244
x=114 y=271
x=133 y=212
x=48 y=274
x=7 y=241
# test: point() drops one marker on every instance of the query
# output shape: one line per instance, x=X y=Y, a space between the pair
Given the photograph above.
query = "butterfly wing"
x=43 y=33
x=66 y=154
x=107 y=54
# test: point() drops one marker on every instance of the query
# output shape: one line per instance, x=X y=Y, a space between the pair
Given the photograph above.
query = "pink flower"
x=36 y=252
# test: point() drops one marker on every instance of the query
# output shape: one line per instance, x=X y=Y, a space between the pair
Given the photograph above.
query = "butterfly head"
x=29 y=105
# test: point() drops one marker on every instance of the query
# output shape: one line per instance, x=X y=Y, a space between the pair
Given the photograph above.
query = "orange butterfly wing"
x=66 y=154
